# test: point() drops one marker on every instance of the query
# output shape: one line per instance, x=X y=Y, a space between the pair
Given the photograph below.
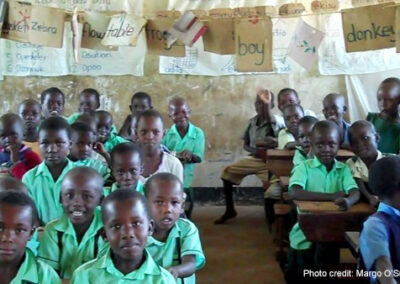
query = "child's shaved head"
x=9 y=183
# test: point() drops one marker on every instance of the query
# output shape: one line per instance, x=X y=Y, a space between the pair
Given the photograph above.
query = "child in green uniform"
x=52 y=101
x=387 y=122
x=287 y=138
x=320 y=179
x=187 y=140
x=18 y=218
x=127 y=225
x=303 y=150
x=126 y=164
x=74 y=238
x=105 y=136
x=44 y=181
x=82 y=139
x=175 y=243
x=29 y=110
x=364 y=143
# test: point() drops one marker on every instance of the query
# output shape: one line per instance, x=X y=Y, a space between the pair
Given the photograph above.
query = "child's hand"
x=173 y=271
x=14 y=151
x=337 y=195
x=373 y=201
x=186 y=155
x=99 y=148
x=343 y=203
x=264 y=96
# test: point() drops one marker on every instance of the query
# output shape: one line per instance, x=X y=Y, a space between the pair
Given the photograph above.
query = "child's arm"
x=298 y=193
x=373 y=200
x=99 y=148
x=246 y=145
x=383 y=264
x=187 y=268
x=346 y=202
x=19 y=168
x=197 y=153
x=291 y=145
x=124 y=131
x=265 y=97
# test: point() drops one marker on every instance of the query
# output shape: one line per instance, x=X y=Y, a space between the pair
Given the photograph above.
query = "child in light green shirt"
x=105 y=135
x=188 y=141
x=303 y=150
x=175 y=243
x=74 y=238
x=127 y=225
x=18 y=218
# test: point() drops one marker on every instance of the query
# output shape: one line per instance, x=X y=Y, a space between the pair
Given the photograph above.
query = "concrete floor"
x=239 y=252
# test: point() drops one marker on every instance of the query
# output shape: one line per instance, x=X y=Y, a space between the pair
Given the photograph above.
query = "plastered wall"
x=221 y=106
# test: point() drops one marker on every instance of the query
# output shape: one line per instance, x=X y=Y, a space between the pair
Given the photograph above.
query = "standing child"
x=18 y=217
x=140 y=102
x=322 y=178
x=150 y=131
x=127 y=225
x=52 y=101
x=175 y=243
x=126 y=165
x=74 y=238
x=29 y=110
x=15 y=158
x=287 y=138
x=334 y=107
x=106 y=138
x=187 y=140
x=387 y=122
x=44 y=181
x=364 y=143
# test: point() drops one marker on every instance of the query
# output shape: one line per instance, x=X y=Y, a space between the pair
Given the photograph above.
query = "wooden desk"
x=324 y=222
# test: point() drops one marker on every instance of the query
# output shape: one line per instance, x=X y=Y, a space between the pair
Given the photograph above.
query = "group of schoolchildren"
x=80 y=201
x=372 y=175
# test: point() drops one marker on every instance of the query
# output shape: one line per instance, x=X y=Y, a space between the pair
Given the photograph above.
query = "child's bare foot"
x=225 y=217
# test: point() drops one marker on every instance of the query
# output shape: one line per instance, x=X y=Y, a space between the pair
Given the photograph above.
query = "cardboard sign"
x=253 y=39
x=245 y=11
x=220 y=36
x=398 y=29
x=318 y=6
x=16 y=22
x=369 y=28
x=123 y=30
x=3 y=10
x=221 y=13
x=291 y=9
x=94 y=29
x=168 y=14
x=201 y=14
x=265 y=10
x=156 y=43
x=47 y=26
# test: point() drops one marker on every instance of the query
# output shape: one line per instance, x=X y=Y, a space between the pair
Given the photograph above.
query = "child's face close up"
x=30 y=114
x=127 y=228
x=292 y=116
x=364 y=142
x=126 y=169
x=180 y=114
x=166 y=203
x=82 y=144
x=139 y=105
x=334 y=109
x=53 y=105
x=388 y=98
x=80 y=198
x=54 y=145
x=150 y=132
x=88 y=103
x=11 y=133
x=16 y=229
x=104 y=125
x=287 y=98
x=325 y=144
x=305 y=131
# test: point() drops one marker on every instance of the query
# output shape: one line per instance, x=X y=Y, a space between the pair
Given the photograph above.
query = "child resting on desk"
x=379 y=239
x=322 y=178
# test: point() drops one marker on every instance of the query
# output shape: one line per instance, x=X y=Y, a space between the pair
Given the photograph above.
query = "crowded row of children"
x=111 y=206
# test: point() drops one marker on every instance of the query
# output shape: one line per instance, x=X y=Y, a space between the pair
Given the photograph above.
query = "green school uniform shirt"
x=113 y=141
x=44 y=191
x=312 y=175
x=193 y=141
x=97 y=165
x=33 y=243
x=35 y=271
x=299 y=156
x=102 y=270
x=166 y=254
x=73 y=117
x=67 y=254
x=389 y=133
x=115 y=186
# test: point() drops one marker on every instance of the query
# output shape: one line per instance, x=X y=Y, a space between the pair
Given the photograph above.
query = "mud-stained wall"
x=221 y=106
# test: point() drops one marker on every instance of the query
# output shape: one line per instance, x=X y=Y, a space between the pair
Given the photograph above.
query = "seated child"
x=322 y=178
x=286 y=97
x=126 y=165
x=44 y=181
x=379 y=239
x=74 y=238
x=82 y=140
x=175 y=243
x=334 y=107
x=29 y=110
x=387 y=121
x=187 y=140
x=140 y=102
x=288 y=137
x=18 y=217
x=15 y=158
x=364 y=143
x=127 y=225
x=150 y=131
x=259 y=135
x=105 y=136
x=52 y=101
x=304 y=150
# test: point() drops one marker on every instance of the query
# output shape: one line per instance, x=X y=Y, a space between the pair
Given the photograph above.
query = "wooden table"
x=324 y=222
